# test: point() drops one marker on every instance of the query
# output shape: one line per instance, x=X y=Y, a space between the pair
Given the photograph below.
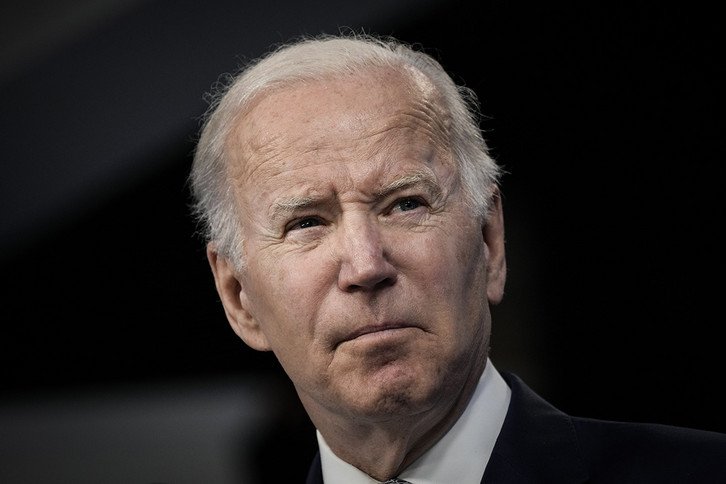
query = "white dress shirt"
x=460 y=456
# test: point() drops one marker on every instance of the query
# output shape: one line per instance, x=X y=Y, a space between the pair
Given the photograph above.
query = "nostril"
x=388 y=281
x=364 y=262
x=375 y=286
x=366 y=273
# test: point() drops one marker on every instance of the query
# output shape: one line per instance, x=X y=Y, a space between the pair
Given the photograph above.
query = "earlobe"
x=234 y=301
x=493 y=232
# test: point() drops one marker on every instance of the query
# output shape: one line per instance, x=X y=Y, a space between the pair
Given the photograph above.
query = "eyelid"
x=294 y=224
x=420 y=199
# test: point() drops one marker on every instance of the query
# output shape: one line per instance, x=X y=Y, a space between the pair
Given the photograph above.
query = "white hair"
x=317 y=58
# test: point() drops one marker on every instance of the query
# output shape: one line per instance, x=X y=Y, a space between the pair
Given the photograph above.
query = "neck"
x=384 y=448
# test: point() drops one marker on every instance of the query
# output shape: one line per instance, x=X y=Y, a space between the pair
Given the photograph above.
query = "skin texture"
x=364 y=271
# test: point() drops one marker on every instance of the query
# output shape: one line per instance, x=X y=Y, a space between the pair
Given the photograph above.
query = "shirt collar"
x=459 y=456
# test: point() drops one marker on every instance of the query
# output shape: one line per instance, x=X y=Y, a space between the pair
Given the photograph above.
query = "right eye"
x=304 y=223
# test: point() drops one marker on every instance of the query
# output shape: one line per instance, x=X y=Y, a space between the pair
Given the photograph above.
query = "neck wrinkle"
x=383 y=450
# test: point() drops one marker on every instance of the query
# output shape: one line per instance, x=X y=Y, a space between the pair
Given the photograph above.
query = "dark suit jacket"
x=540 y=444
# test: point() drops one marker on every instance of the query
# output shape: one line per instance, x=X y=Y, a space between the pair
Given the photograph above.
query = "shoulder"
x=635 y=452
x=539 y=436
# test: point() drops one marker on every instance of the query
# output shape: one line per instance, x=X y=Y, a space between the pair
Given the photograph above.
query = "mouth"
x=377 y=331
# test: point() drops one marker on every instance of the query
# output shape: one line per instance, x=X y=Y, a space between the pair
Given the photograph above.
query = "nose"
x=364 y=261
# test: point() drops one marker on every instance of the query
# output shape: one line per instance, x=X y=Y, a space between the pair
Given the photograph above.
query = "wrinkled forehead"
x=309 y=115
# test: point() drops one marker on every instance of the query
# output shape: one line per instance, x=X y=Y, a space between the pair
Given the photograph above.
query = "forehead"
x=329 y=143
x=364 y=112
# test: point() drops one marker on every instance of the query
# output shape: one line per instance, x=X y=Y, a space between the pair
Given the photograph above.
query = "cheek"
x=455 y=277
x=454 y=259
x=285 y=302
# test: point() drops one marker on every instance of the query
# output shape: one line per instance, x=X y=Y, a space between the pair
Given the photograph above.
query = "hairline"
x=236 y=100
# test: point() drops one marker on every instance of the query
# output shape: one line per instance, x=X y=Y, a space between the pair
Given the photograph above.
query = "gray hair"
x=311 y=59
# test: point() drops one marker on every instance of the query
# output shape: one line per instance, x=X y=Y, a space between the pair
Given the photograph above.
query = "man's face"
x=364 y=271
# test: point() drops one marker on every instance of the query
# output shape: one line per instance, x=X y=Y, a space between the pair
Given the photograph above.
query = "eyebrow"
x=410 y=181
x=284 y=208
x=288 y=206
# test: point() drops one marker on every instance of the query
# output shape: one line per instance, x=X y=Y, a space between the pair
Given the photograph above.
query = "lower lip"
x=383 y=334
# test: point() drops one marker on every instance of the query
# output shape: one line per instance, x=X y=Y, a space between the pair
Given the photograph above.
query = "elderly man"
x=355 y=229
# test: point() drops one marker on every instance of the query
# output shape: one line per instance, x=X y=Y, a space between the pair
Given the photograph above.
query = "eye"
x=408 y=204
x=308 y=222
x=305 y=223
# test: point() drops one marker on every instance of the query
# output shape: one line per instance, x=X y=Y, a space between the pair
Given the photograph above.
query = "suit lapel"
x=537 y=443
x=315 y=474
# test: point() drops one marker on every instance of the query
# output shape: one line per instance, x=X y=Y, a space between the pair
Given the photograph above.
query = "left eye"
x=408 y=204
x=308 y=223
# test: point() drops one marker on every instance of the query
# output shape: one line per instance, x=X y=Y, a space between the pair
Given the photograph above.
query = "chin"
x=402 y=396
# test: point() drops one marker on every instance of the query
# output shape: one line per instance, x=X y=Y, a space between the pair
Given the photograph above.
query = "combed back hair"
x=313 y=59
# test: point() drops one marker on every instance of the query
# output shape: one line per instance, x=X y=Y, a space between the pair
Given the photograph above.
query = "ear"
x=234 y=299
x=493 y=232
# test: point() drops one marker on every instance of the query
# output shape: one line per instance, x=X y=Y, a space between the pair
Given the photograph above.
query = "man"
x=355 y=229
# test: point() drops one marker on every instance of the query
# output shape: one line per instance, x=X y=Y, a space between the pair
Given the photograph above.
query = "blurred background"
x=118 y=363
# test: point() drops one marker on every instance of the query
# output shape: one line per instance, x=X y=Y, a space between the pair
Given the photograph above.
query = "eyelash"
x=399 y=203
x=300 y=224
x=303 y=223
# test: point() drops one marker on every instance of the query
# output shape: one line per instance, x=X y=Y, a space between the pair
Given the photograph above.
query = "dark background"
x=606 y=116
